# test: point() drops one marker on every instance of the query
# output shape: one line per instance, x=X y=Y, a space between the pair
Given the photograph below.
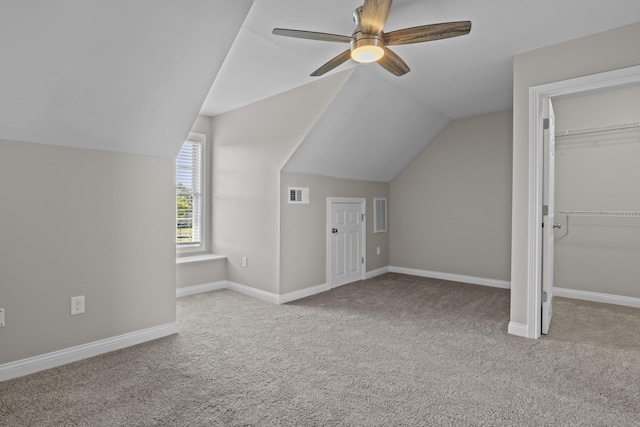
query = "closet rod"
x=597 y=129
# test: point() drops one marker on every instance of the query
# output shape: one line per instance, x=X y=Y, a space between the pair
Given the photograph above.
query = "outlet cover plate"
x=1 y=317
x=77 y=305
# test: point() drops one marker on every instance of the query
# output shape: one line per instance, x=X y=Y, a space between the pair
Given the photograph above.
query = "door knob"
x=334 y=230
x=556 y=225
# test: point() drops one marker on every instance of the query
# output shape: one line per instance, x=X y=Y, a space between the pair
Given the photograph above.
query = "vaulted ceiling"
x=131 y=76
x=379 y=122
x=459 y=77
x=367 y=134
x=116 y=75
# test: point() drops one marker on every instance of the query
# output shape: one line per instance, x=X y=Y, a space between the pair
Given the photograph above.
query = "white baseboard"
x=198 y=289
x=253 y=292
x=518 y=329
x=302 y=293
x=62 y=357
x=597 y=297
x=453 y=277
x=377 y=272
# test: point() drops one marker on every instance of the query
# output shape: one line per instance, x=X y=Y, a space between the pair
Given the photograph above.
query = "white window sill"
x=198 y=258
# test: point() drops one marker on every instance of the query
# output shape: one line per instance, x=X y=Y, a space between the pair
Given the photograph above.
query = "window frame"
x=190 y=248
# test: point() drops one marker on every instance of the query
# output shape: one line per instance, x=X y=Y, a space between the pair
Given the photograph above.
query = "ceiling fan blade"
x=393 y=63
x=425 y=33
x=343 y=57
x=374 y=16
x=311 y=35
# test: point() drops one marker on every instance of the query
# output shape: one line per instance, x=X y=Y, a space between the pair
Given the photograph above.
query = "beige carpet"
x=391 y=351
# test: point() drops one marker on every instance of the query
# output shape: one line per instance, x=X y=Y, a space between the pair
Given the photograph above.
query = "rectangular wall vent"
x=298 y=195
x=379 y=215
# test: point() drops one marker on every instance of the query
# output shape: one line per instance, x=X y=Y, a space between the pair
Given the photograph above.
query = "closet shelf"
x=613 y=214
x=596 y=214
x=598 y=129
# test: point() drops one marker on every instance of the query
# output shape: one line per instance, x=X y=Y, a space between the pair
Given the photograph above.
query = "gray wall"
x=303 y=227
x=601 y=52
x=452 y=204
x=598 y=172
x=250 y=146
x=83 y=222
x=200 y=273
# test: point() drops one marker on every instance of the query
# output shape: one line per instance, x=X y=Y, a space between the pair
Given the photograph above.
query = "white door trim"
x=363 y=233
x=538 y=96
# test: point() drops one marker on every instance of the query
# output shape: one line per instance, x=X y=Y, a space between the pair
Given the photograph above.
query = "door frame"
x=538 y=96
x=363 y=233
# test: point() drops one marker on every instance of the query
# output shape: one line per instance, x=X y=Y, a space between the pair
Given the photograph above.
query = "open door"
x=548 y=214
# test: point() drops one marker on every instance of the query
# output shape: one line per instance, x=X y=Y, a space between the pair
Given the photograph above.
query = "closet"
x=597 y=196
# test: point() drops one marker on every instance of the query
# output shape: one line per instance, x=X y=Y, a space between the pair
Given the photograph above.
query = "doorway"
x=346 y=260
x=539 y=97
x=597 y=176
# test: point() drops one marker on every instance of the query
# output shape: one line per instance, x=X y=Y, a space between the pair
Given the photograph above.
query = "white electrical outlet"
x=1 y=317
x=244 y=261
x=378 y=250
x=77 y=305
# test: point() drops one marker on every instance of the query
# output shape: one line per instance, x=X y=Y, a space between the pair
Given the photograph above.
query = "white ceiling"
x=379 y=122
x=131 y=76
x=116 y=75
x=459 y=77
x=356 y=138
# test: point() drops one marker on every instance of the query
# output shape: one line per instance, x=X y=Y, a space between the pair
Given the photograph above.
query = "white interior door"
x=548 y=215
x=345 y=241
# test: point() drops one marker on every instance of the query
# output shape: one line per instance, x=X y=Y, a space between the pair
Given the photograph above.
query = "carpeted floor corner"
x=395 y=350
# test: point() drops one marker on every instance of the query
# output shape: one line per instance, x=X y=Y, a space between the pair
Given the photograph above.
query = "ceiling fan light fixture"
x=367 y=49
x=368 y=40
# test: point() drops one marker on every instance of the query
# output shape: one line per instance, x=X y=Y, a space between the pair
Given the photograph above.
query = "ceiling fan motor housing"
x=366 y=47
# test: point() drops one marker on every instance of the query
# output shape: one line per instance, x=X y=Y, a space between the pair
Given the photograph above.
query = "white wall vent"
x=298 y=195
x=379 y=215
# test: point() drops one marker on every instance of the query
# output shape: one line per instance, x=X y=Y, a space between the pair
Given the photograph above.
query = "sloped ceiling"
x=378 y=122
x=131 y=76
x=370 y=131
x=117 y=75
x=459 y=77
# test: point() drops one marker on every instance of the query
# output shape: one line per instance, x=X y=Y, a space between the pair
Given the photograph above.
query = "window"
x=379 y=215
x=190 y=194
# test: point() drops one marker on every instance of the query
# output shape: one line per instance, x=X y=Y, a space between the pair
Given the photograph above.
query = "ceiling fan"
x=369 y=43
